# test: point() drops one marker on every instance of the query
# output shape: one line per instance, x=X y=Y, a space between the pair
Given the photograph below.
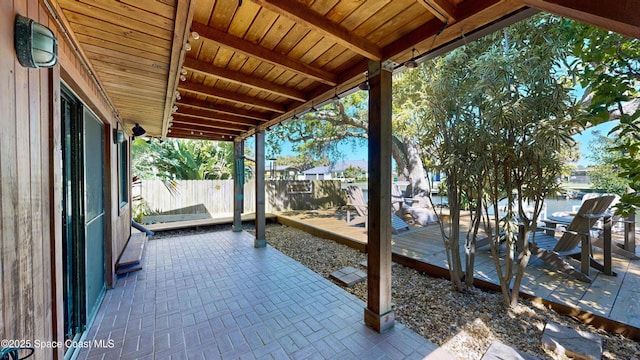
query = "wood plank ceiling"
x=254 y=63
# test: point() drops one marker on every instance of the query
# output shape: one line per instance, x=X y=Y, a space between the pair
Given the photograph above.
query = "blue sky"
x=586 y=136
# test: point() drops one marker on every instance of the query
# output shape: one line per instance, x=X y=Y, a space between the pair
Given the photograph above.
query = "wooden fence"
x=216 y=196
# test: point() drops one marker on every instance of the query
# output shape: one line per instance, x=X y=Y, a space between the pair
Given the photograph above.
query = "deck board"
x=616 y=298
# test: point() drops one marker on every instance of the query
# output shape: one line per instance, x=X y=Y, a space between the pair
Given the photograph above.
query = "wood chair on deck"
x=356 y=201
x=418 y=208
x=618 y=225
x=575 y=241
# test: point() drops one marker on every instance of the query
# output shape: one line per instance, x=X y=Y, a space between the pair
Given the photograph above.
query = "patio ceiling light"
x=411 y=63
x=364 y=86
x=138 y=131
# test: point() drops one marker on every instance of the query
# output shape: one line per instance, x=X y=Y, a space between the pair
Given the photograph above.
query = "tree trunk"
x=419 y=185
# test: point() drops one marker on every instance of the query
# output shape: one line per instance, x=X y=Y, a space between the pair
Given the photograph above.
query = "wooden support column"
x=630 y=233
x=379 y=313
x=261 y=239
x=238 y=184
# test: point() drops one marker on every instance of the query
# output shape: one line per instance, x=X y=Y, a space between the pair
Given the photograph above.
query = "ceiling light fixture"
x=174 y=108
x=364 y=86
x=138 y=131
x=183 y=71
x=187 y=46
x=195 y=35
x=177 y=95
x=411 y=63
x=183 y=78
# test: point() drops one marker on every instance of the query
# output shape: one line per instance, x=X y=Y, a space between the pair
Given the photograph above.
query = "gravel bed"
x=463 y=323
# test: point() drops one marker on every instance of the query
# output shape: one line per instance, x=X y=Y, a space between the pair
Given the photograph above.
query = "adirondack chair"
x=356 y=201
x=575 y=240
x=618 y=225
x=420 y=211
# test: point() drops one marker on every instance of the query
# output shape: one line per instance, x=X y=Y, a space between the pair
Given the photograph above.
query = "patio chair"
x=418 y=207
x=356 y=200
x=575 y=241
x=617 y=226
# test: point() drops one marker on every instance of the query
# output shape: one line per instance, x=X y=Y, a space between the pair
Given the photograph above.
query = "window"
x=123 y=178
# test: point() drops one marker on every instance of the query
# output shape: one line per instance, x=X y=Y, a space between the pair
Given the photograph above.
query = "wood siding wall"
x=31 y=183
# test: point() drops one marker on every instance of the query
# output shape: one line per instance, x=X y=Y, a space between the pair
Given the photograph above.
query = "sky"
x=586 y=137
x=360 y=153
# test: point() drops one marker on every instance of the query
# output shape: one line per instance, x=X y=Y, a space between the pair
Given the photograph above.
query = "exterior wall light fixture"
x=35 y=44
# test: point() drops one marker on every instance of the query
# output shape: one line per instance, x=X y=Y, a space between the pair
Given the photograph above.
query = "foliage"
x=608 y=66
x=605 y=174
x=141 y=208
x=353 y=172
x=498 y=116
x=182 y=159
x=320 y=135
x=302 y=161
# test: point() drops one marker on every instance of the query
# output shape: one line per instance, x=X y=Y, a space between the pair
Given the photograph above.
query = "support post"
x=261 y=239
x=238 y=184
x=379 y=313
x=630 y=233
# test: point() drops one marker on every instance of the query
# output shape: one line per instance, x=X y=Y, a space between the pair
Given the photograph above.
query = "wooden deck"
x=616 y=298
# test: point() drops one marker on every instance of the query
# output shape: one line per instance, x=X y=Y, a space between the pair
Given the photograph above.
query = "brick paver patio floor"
x=214 y=296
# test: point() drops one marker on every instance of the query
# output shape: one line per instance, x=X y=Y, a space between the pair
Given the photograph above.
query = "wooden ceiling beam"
x=205 y=125
x=444 y=10
x=464 y=11
x=410 y=40
x=255 y=51
x=621 y=16
x=223 y=108
x=243 y=79
x=183 y=134
x=214 y=115
x=184 y=16
x=303 y=15
x=231 y=96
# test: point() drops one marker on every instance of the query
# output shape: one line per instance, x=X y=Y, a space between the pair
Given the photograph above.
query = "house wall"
x=31 y=184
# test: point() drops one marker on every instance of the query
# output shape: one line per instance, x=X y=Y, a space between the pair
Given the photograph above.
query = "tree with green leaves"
x=302 y=161
x=498 y=115
x=177 y=159
x=604 y=173
x=607 y=65
x=320 y=134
